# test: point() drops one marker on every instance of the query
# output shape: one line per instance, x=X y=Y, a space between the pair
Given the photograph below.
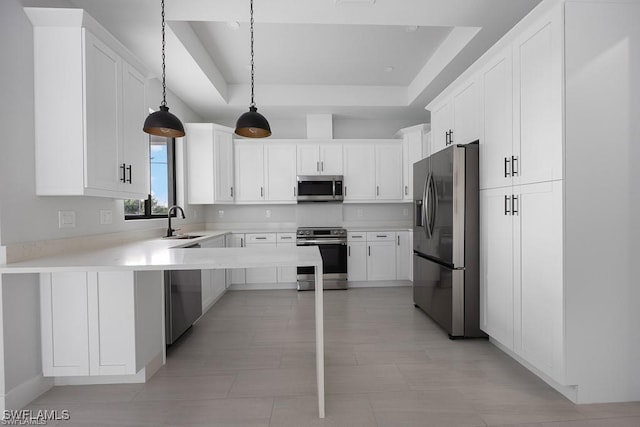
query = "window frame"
x=171 y=181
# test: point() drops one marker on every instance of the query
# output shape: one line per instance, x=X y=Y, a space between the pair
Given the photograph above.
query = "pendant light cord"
x=164 y=74
x=253 y=104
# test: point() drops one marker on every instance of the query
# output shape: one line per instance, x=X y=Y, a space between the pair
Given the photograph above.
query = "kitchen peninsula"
x=145 y=259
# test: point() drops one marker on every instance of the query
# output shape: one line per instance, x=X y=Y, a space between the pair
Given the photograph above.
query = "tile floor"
x=250 y=362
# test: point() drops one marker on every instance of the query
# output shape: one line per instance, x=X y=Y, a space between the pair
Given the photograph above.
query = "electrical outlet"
x=220 y=213
x=106 y=217
x=66 y=219
x=267 y=213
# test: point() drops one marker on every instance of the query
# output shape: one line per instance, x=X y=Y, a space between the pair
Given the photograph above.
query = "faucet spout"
x=169 y=212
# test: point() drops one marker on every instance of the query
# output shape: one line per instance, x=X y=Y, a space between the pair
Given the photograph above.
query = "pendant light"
x=252 y=124
x=162 y=122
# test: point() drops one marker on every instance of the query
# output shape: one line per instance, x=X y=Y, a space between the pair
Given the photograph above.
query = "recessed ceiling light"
x=388 y=68
x=234 y=25
x=411 y=28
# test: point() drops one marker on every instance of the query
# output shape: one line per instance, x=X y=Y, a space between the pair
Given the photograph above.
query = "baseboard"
x=25 y=393
x=261 y=286
x=140 y=377
x=379 y=284
x=351 y=284
x=568 y=391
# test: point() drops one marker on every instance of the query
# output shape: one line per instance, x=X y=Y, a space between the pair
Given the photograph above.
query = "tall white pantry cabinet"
x=558 y=129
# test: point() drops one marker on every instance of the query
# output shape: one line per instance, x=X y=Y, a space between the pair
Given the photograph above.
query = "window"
x=163 y=184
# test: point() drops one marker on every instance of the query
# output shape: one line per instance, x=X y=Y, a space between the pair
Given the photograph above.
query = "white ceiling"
x=311 y=56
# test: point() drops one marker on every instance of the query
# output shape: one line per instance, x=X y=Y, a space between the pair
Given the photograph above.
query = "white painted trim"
x=21 y=395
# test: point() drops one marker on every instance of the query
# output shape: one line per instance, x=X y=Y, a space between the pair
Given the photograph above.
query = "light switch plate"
x=66 y=219
x=106 y=217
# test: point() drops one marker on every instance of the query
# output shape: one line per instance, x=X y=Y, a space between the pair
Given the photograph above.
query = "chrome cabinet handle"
x=515 y=205
x=349 y=250
x=231 y=191
x=322 y=166
x=242 y=242
x=130 y=173
x=381 y=235
x=369 y=250
x=345 y=191
x=507 y=163
x=261 y=191
x=318 y=166
x=514 y=170
x=261 y=238
x=294 y=192
x=507 y=201
x=124 y=174
x=398 y=240
x=406 y=190
x=377 y=190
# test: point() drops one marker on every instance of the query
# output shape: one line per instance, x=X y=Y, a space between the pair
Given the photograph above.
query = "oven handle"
x=321 y=242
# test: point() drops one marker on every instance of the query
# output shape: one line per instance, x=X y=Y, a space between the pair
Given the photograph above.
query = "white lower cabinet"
x=107 y=323
x=521 y=272
x=214 y=282
x=236 y=275
x=262 y=274
x=404 y=255
x=286 y=274
x=379 y=255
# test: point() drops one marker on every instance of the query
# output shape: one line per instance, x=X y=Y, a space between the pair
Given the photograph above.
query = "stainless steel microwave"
x=320 y=188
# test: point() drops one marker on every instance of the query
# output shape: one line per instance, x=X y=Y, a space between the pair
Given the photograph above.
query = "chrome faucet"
x=171 y=209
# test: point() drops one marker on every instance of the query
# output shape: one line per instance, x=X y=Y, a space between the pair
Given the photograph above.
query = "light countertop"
x=168 y=254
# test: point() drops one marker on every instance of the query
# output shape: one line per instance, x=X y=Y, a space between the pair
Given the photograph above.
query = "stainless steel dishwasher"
x=183 y=300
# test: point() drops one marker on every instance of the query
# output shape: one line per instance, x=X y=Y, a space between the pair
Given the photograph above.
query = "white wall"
x=25 y=216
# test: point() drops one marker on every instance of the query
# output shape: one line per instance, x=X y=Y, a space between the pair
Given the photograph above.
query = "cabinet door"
x=112 y=341
x=102 y=127
x=496 y=265
x=538 y=235
x=381 y=260
x=331 y=159
x=389 y=172
x=359 y=172
x=223 y=161
x=497 y=122
x=200 y=170
x=308 y=159
x=213 y=281
x=538 y=99
x=441 y=123
x=65 y=332
x=135 y=143
x=262 y=274
x=465 y=115
x=357 y=261
x=249 y=172
x=280 y=172
x=411 y=153
x=235 y=275
x=404 y=255
x=287 y=274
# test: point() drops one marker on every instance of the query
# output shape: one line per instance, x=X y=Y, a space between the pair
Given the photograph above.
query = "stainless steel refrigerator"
x=446 y=239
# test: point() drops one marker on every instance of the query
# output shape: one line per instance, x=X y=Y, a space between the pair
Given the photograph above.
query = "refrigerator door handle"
x=435 y=204
x=426 y=220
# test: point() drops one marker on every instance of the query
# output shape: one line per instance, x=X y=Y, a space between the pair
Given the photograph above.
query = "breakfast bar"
x=158 y=255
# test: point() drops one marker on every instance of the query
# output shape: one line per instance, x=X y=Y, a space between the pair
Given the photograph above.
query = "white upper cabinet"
x=209 y=169
x=265 y=172
x=537 y=71
x=389 y=172
x=87 y=80
x=319 y=159
x=413 y=142
x=455 y=117
x=373 y=171
x=359 y=172
x=280 y=172
x=496 y=144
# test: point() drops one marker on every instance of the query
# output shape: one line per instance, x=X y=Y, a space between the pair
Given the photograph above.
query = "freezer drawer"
x=439 y=292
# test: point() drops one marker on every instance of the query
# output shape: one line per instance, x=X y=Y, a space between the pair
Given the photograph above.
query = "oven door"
x=334 y=266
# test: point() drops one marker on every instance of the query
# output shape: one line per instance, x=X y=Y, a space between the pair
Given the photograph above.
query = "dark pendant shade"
x=253 y=124
x=163 y=123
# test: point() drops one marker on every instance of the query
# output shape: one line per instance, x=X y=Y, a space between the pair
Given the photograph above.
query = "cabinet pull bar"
x=516 y=205
x=322 y=166
x=318 y=166
x=406 y=190
x=369 y=250
x=450 y=136
x=261 y=238
x=381 y=235
x=349 y=250
x=507 y=162
x=377 y=190
x=398 y=240
x=507 y=199
x=231 y=191
x=129 y=169
x=124 y=175
x=294 y=191
x=345 y=191
x=514 y=169
x=242 y=242
x=261 y=191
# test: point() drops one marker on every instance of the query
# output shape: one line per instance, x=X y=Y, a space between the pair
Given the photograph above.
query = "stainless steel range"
x=332 y=243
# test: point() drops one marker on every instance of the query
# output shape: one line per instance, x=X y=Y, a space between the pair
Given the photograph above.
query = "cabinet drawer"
x=286 y=237
x=261 y=237
x=378 y=236
x=357 y=236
